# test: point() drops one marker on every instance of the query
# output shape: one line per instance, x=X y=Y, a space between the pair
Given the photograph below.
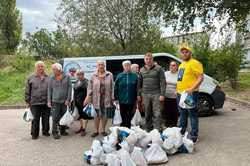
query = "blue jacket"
x=125 y=90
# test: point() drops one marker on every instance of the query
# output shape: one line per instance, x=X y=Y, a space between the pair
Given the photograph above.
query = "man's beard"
x=187 y=59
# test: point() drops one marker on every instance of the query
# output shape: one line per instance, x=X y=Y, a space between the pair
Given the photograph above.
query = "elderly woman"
x=59 y=96
x=125 y=93
x=36 y=99
x=80 y=93
x=171 y=112
x=101 y=95
x=135 y=68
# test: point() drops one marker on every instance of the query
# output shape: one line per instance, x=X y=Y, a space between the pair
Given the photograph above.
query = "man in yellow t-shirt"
x=190 y=76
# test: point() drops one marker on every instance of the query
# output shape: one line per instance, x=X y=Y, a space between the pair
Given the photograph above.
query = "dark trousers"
x=126 y=114
x=58 y=110
x=170 y=113
x=193 y=115
x=40 y=111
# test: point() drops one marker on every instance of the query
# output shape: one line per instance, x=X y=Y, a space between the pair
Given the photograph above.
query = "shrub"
x=23 y=61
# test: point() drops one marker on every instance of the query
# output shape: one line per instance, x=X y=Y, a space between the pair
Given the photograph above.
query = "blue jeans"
x=194 y=119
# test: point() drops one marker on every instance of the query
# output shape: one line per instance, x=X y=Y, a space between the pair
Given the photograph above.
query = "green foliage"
x=182 y=13
x=228 y=60
x=108 y=27
x=10 y=26
x=22 y=61
x=222 y=63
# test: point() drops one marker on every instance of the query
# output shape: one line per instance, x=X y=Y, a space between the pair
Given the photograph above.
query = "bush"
x=23 y=61
x=227 y=61
x=221 y=63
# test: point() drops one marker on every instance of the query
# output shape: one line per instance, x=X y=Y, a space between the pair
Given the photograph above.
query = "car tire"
x=205 y=106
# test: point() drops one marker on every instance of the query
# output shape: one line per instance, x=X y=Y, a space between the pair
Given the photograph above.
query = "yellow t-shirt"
x=188 y=74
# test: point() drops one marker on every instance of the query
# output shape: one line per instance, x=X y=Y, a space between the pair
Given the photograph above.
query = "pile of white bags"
x=136 y=147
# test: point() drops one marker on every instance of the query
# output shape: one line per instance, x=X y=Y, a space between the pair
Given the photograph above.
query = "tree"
x=10 y=26
x=182 y=13
x=122 y=22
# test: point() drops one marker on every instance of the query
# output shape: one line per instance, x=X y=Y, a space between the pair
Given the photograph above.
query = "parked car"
x=211 y=96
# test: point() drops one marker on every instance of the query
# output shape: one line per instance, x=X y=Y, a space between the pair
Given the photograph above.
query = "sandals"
x=94 y=134
x=104 y=133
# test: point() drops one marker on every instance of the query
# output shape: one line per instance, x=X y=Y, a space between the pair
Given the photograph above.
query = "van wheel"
x=205 y=106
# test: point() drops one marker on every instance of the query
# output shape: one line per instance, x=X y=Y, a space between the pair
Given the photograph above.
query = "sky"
x=38 y=14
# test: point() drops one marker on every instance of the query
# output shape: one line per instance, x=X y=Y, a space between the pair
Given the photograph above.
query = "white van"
x=211 y=97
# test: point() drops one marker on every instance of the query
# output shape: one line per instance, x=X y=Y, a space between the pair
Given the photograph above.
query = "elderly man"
x=36 y=99
x=152 y=86
x=59 y=97
x=190 y=76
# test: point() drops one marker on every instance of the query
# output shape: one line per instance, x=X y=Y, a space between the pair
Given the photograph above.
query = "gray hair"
x=58 y=66
x=134 y=65
x=100 y=61
x=39 y=63
x=126 y=62
x=80 y=71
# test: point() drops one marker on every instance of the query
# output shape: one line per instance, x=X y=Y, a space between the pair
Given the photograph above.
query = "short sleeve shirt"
x=188 y=74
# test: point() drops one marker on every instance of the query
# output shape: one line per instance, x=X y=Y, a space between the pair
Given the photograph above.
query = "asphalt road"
x=224 y=141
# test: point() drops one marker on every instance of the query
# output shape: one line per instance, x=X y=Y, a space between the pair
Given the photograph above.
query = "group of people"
x=150 y=90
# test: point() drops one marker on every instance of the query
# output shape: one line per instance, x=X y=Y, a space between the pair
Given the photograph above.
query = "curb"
x=228 y=98
x=238 y=101
x=6 y=107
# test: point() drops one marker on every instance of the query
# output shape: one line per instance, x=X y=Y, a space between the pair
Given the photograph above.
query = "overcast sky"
x=38 y=14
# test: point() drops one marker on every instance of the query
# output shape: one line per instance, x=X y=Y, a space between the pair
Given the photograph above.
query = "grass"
x=12 y=83
x=243 y=90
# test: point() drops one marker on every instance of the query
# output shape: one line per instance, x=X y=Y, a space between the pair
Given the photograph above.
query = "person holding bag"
x=190 y=77
x=101 y=95
x=125 y=92
x=36 y=100
x=59 y=97
x=80 y=93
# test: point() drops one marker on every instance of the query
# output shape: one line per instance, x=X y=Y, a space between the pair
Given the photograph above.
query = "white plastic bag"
x=155 y=155
x=75 y=113
x=140 y=133
x=109 y=142
x=27 y=115
x=156 y=137
x=138 y=157
x=143 y=143
x=117 y=120
x=182 y=103
x=67 y=119
x=112 y=159
x=125 y=158
x=173 y=139
x=131 y=139
x=96 y=149
x=189 y=144
x=90 y=159
x=90 y=110
x=137 y=119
